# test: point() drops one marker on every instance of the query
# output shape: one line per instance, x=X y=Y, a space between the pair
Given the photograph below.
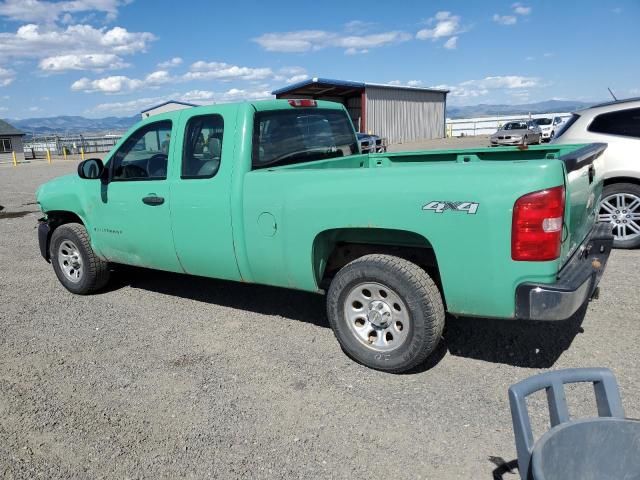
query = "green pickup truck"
x=278 y=193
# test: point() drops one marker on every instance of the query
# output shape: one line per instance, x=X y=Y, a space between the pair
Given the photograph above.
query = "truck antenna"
x=614 y=97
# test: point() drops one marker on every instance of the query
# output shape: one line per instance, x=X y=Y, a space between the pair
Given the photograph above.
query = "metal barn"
x=399 y=114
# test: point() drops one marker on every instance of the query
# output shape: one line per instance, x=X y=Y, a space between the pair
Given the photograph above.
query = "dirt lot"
x=166 y=376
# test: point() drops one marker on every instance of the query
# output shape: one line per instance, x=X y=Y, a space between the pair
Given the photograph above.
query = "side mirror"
x=91 y=169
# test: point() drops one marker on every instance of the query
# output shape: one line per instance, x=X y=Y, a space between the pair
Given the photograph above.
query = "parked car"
x=618 y=124
x=262 y=192
x=549 y=126
x=371 y=143
x=521 y=132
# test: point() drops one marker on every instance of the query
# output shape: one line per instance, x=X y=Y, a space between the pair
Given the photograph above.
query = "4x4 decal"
x=440 y=206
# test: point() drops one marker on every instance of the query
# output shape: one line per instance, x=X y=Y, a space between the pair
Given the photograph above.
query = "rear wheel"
x=76 y=265
x=620 y=206
x=386 y=312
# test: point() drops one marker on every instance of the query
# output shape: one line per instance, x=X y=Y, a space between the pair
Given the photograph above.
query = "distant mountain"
x=73 y=124
x=484 y=110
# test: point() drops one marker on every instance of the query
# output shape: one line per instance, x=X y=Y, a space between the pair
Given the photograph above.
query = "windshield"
x=542 y=121
x=515 y=126
x=302 y=135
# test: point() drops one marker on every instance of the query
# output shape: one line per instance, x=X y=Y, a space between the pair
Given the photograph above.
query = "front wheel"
x=76 y=265
x=386 y=312
x=620 y=206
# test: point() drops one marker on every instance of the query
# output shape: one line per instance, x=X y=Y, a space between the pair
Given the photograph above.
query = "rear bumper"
x=576 y=283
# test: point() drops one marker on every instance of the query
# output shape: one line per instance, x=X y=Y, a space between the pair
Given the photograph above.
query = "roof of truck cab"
x=284 y=105
x=259 y=105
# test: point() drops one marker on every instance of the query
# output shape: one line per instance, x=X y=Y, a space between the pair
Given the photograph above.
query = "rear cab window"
x=285 y=137
x=202 y=147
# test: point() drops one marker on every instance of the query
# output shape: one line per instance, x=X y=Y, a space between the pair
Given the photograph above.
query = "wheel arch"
x=614 y=180
x=56 y=218
x=334 y=248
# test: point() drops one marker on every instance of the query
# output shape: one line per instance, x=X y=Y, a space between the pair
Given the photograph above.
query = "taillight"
x=303 y=102
x=536 y=232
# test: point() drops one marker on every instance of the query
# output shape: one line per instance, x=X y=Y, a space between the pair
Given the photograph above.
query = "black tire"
x=409 y=282
x=94 y=272
x=629 y=189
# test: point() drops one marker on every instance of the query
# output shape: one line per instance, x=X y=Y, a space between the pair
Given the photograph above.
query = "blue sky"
x=115 y=57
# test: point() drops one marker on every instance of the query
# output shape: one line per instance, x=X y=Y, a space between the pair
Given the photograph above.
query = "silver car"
x=618 y=125
x=521 y=132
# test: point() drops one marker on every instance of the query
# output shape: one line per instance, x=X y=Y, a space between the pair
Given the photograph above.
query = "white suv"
x=549 y=126
x=617 y=124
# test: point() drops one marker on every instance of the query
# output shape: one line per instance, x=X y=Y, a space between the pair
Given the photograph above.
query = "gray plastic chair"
x=601 y=448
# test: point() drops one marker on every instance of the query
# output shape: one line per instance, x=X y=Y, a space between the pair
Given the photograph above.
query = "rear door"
x=201 y=194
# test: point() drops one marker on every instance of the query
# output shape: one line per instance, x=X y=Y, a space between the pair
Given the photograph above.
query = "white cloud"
x=113 y=84
x=74 y=47
x=504 y=81
x=173 y=62
x=356 y=51
x=122 y=84
x=520 y=9
x=297 y=78
x=451 y=44
x=95 y=61
x=358 y=26
x=505 y=19
x=223 y=71
x=7 y=76
x=470 y=89
x=46 y=12
x=410 y=83
x=195 y=96
x=444 y=25
x=199 y=71
x=312 y=40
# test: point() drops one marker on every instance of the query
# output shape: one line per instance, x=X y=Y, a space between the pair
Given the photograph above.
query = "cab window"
x=202 y=147
x=144 y=155
x=284 y=137
x=623 y=122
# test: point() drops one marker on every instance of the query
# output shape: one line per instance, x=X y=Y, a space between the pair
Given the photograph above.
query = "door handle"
x=153 y=200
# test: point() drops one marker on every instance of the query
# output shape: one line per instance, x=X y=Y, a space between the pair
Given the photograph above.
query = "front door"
x=132 y=223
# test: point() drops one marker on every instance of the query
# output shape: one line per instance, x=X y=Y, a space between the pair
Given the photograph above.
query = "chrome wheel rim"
x=70 y=261
x=622 y=210
x=377 y=316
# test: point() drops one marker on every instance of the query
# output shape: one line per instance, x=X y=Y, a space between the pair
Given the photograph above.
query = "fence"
x=44 y=146
x=464 y=127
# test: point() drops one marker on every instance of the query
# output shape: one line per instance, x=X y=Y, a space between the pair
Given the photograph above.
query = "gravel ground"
x=166 y=376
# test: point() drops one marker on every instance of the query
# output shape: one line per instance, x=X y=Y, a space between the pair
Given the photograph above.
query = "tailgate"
x=585 y=174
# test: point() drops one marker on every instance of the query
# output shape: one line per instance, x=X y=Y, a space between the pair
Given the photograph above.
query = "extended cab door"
x=201 y=194
x=131 y=221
